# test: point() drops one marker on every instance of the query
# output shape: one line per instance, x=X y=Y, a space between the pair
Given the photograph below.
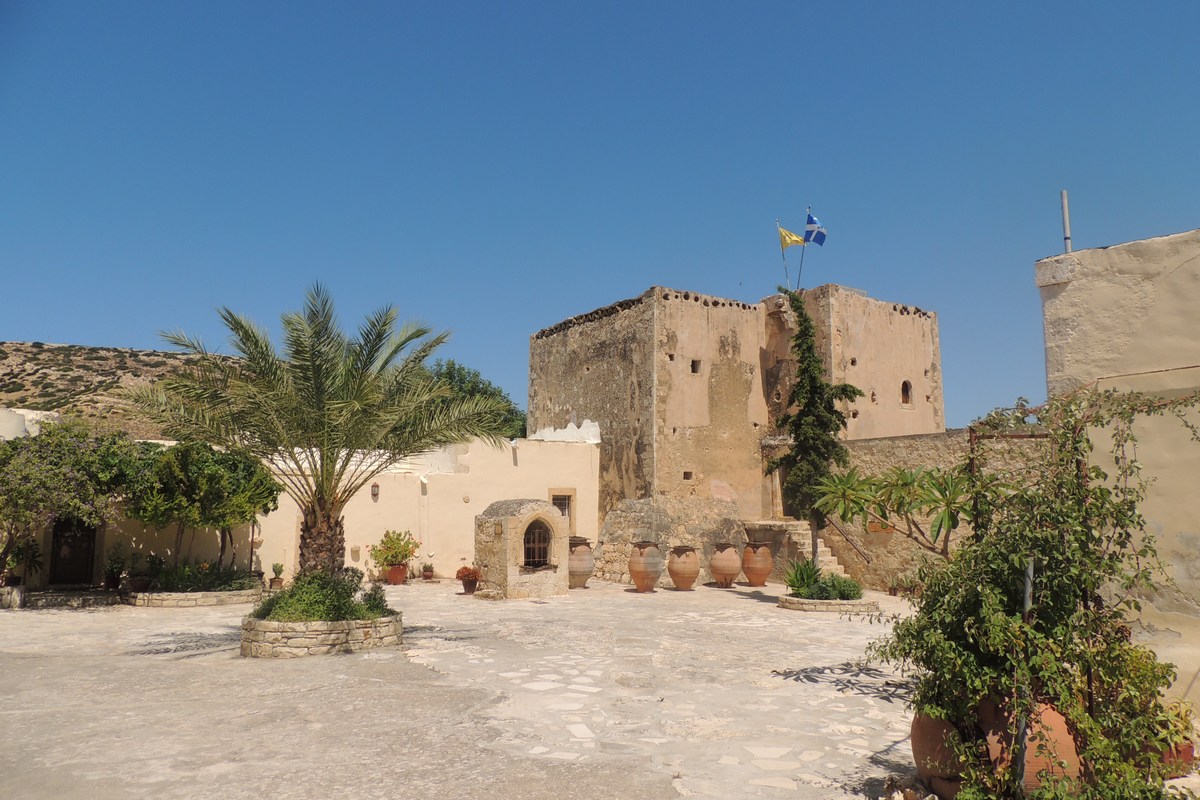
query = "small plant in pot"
x=393 y=553
x=469 y=577
x=114 y=566
x=277 y=581
x=26 y=557
x=426 y=571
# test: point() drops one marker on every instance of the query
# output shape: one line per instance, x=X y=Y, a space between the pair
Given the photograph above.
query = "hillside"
x=81 y=381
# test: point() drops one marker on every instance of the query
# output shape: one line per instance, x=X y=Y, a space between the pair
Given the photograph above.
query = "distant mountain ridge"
x=82 y=381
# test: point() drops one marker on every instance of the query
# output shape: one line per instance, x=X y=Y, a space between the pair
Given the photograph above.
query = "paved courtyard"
x=604 y=693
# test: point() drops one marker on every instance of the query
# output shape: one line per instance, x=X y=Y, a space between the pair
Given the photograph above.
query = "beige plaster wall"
x=1125 y=317
x=710 y=411
x=441 y=512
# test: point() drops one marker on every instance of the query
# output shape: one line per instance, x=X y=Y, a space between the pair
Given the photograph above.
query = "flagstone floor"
x=603 y=693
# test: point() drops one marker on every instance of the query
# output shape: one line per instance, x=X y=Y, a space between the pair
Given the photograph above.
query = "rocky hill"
x=82 y=381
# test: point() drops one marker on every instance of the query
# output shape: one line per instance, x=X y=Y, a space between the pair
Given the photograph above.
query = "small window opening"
x=854 y=362
x=687 y=474
x=670 y=356
x=537 y=545
x=695 y=366
x=563 y=503
x=853 y=415
x=906 y=393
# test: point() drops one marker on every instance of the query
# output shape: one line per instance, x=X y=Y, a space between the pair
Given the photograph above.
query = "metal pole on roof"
x=1066 y=212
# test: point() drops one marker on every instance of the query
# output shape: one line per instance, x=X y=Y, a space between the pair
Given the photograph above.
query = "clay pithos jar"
x=725 y=564
x=683 y=565
x=645 y=565
x=757 y=563
x=581 y=563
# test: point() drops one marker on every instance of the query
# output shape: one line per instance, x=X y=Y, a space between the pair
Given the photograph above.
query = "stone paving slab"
x=603 y=693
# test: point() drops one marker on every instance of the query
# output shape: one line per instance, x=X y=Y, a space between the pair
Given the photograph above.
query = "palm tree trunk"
x=322 y=540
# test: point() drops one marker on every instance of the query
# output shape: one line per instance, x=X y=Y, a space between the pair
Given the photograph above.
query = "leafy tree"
x=813 y=420
x=191 y=485
x=65 y=472
x=328 y=414
x=466 y=382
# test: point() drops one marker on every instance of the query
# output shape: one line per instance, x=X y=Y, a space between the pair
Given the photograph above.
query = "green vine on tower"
x=812 y=419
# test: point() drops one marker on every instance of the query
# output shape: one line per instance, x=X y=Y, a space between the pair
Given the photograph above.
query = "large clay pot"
x=1048 y=742
x=757 y=563
x=470 y=585
x=933 y=742
x=683 y=565
x=581 y=563
x=397 y=574
x=725 y=564
x=645 y=565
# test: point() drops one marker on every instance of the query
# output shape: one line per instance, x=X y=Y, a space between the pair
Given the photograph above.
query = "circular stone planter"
x=838 y=606
x=190 y=599
x=265 y=639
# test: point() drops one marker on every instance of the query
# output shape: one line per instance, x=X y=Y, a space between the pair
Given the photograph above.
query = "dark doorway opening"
x=72 y=552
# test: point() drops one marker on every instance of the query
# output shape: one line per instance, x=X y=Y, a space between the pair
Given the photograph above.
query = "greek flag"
x=814 y=232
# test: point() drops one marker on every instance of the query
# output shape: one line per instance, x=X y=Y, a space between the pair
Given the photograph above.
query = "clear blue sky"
x=494 y=168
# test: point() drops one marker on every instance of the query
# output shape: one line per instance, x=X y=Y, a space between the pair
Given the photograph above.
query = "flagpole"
x=783 y=252
x=803 y=250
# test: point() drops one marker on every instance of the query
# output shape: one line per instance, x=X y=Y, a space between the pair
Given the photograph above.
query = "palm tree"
x=328 y=414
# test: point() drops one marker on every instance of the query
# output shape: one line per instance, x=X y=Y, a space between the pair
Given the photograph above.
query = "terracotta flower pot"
x=470 y=585
x=683 y=565
x=725 y=564
x=276 y=583
x=757 y=563
x=397 y=574
x=933 y=742
x=581 y=563
x=1047 y=743
x=645 y=565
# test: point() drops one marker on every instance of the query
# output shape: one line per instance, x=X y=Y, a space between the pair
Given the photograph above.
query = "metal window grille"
x=563 y=503
x=537 y=545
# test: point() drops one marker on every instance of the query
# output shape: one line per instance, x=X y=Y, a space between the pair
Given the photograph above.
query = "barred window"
x=537 y=545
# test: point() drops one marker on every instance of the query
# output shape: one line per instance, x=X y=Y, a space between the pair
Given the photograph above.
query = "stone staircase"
x=792 y=540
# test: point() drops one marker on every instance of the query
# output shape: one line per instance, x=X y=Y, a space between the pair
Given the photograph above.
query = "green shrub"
x=805 y=580
x=317 y=596
x=202 y=576
x=801 y=574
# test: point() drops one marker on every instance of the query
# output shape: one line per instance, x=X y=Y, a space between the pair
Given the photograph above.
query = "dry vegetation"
x=82 y=381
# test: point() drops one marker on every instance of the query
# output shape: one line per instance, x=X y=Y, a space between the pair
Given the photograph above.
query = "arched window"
x=906 y=394
x=537 y=545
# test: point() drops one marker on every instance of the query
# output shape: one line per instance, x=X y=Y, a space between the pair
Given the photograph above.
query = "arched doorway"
x=72 y=552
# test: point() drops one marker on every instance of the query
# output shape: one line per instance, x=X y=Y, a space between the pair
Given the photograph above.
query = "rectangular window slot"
x=687 y=474
x=695 y=366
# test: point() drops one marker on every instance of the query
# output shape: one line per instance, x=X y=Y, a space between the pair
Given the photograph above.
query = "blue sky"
x=493 y=168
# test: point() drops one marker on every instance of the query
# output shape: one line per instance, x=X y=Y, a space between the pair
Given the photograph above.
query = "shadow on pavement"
x=854 y=677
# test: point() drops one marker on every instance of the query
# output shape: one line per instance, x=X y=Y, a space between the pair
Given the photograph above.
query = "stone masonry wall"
x=190 y=599
x=669 y=521
x=266 y=639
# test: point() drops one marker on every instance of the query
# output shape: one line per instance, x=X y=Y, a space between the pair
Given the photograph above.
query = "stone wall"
x=266 y=639
x=670 y=522
x=892 y=552
x=832 y=606
x=191 y=599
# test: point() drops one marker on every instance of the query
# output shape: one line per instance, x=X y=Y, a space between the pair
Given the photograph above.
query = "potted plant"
x=26 y=556
x=114 y=566
x=426 y=571
x=393 y=553
x=277 y=581
x=469 y=577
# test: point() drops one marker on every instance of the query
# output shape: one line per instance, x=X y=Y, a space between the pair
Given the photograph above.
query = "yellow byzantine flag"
x=787 y=239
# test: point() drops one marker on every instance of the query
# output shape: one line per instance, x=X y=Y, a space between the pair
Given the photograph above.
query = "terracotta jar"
x=757 y=563
x=581 y=563
x=933 y=742
x=645 y=565
x=725 y=564
x=1048 y=743
x=470 y=585
x=683 y=565
x=397 y=574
